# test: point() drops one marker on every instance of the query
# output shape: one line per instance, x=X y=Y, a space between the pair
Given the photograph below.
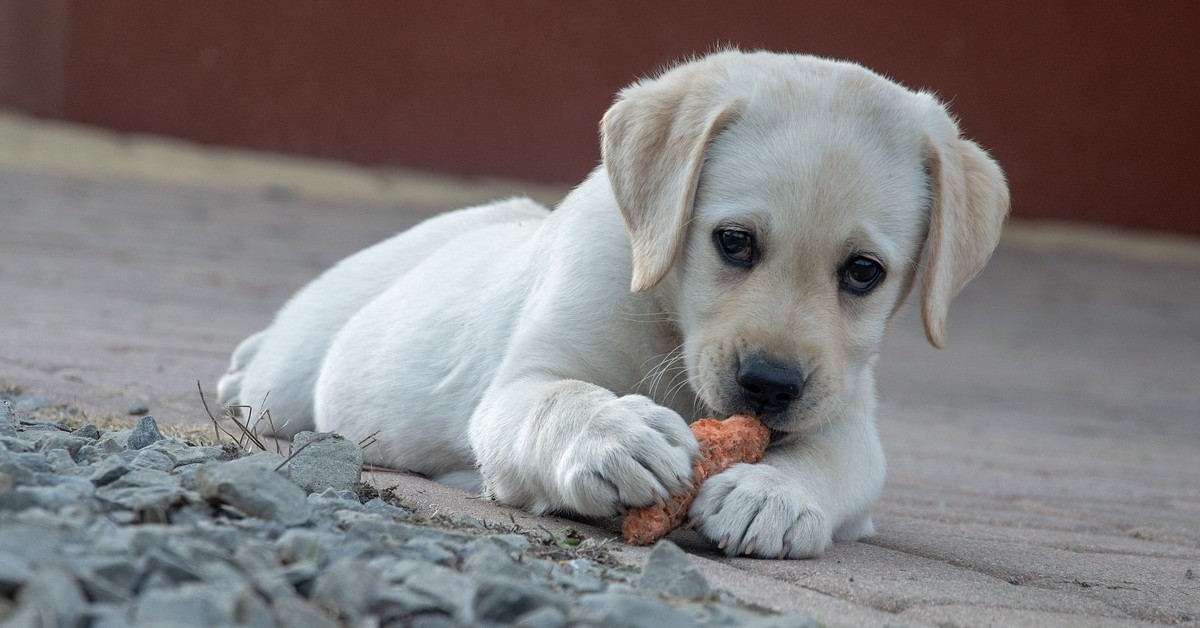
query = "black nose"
x=769 y=387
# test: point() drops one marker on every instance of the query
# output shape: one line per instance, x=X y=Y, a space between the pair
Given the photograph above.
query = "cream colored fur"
x=552 y=360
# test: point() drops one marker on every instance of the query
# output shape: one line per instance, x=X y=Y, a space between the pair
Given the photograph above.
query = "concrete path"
x=1044 y=470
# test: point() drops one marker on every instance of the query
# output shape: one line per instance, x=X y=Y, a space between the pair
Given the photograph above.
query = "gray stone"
x=34 y=462
x=181 y=453
x=670 y=570
x=486 y=559
x=149 y=493
x=15 y=571
x=107 y=615
x=321 y=461
x=153 y=459
x=503 y=601
x=18 y=474
x=202 y=604
x=8 y=418
x=298 y=545
x=348 y=588
x=579 y=575
x=88 y=431
x=106 y=578
x=60 y=440
x=398 y=604
x=112 y=442
x=294 y=611
x=61 y=462
x=138 y=407
x=451 y=591
x=252 y=486
x=108 y=471
x=56 y=596
x=545 y=617
x=14 y=444
x=170 y=565
x=434 y=551
x=329 y=502
x=144 y=433
x=616 y=608
x=146 y=477
x=391 y=511
x=512 y=543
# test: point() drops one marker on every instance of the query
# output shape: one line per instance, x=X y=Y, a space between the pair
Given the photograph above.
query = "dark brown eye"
x=736 y=246
x=861 y=274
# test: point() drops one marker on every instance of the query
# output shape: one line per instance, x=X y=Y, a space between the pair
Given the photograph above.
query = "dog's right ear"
x=653 y=141
x=970 y=204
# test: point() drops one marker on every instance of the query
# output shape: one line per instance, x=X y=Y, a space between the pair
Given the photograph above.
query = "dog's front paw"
x=754 y=510
x=631 y=453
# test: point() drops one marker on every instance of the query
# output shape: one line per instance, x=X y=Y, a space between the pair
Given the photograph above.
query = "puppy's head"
x=784 y=206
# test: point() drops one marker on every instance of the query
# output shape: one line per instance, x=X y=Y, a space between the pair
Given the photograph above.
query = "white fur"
x=500 y=348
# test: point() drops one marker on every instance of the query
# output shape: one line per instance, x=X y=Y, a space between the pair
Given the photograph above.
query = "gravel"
x=133 y=528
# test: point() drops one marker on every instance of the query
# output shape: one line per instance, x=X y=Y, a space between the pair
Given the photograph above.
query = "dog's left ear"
x=970 y=203
x=653 y=141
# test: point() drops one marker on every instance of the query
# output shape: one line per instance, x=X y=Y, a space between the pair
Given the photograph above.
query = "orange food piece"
x=722 y=444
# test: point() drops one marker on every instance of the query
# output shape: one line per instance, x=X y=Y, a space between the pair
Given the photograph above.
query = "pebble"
x=252 y=485
x=321 y=461
x=144 y=434
x=670 y=570
x=131 y=527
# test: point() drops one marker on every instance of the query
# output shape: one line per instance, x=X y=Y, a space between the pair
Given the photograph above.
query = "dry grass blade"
x=246 y=432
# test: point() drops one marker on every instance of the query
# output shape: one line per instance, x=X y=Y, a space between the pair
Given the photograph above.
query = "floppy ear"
x=970 y=203
x=653 y=141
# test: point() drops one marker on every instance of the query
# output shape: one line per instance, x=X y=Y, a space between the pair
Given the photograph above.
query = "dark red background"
x=1091 y=107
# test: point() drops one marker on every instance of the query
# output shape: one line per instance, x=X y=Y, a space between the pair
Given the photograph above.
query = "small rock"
x=298 y=545
x=486 y=559
x=112 y=442
x=15 y=572
x=106 y=578
x=252 y=486
x=60 y=460
x=321 y=461
x=201 y=604
x=88 y=431
x=60 y=440
x=545 y=617
x=451 y=590
x=153 y=459
x=138 y=407
x=349 y=588
x=579 y=575
x=294 y=611
x=108 y=471
x=503 y=601
x=8 y=418
x=381 y=507
x=614 y=608
x=144 y=433
x=432 y=551
x=670 y=570
x=55 y=597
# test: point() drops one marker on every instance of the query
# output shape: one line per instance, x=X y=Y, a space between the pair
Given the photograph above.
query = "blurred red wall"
x=1093 y=108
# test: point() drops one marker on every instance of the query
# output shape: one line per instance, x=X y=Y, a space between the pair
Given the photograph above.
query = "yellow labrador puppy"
x=756 y=221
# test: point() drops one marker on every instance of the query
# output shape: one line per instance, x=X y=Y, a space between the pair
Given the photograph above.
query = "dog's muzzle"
x=768 y=386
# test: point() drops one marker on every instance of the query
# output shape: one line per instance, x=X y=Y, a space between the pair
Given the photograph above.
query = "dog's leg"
x=554 y=445
x=805 y=493
x=229 y=388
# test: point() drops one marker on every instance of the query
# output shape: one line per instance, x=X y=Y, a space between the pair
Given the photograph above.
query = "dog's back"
x=275 y=370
